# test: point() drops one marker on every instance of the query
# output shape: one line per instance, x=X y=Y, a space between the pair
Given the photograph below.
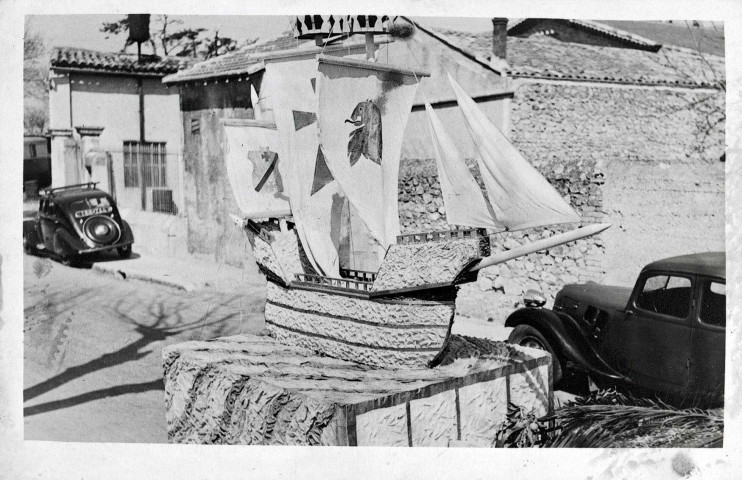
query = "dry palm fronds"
x=521 y=429
x=611 y=419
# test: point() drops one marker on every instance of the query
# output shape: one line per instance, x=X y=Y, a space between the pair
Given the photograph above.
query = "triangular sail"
x=520 y=196
x=313 y=197
x=464 y=200
x=363 y=112
x=253 y=159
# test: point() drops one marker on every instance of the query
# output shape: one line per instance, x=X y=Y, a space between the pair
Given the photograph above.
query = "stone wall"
x=500 y=288
x=664 y=181
x=637 y=157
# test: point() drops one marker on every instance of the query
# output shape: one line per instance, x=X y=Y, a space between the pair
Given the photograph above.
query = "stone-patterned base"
x=251 y=389
x=401 y=333
x=278 y=258
x=415 y=266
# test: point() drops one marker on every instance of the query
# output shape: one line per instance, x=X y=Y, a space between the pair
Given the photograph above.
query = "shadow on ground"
x=167 y=321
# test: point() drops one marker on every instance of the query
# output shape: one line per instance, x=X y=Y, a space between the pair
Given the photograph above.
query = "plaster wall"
x=636 y=157
x=112 y=102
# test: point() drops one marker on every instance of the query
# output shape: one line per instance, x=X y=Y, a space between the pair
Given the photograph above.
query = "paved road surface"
x=92 y=359
x=93 y=344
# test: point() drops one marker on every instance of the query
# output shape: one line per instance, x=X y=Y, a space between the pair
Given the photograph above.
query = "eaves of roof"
x=240 y=63
x=636 y=41
x=69 y=59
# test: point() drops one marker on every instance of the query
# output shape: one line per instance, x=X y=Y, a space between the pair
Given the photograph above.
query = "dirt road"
x=92 y=359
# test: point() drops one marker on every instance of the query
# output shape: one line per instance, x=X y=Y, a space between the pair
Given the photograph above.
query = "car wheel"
x=124 y=252
x=527 y=336
x=62 y=251
x=27 y=247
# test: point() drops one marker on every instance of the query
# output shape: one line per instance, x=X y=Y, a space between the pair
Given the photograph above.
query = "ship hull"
x=398 y=318
x=402 y=332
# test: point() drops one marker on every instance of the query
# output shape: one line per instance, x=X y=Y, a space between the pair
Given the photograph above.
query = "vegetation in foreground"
x=609 y=419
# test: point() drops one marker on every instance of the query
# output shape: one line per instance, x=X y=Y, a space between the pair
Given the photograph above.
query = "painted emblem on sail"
x=253 y=163
x=266 y=177
x=365 y=140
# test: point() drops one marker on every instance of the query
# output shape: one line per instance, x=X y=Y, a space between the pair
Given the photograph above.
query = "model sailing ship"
x=329 y=197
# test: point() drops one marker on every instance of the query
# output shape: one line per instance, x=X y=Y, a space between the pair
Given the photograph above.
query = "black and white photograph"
x=489 y=232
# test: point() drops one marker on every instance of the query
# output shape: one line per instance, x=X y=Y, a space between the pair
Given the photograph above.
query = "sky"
x=82 y=31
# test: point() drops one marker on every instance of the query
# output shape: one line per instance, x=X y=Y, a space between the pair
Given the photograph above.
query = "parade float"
x=360 y=349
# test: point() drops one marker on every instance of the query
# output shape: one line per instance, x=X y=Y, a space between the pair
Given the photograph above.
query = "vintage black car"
x=666 y=335
x=76 y=220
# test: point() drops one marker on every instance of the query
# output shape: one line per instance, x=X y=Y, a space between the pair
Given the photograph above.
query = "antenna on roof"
x=139 y=31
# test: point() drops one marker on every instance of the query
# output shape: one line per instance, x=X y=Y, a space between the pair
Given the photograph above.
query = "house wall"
x=112 y=102
x=635 y=157
x=418 y=143
x=208 y=198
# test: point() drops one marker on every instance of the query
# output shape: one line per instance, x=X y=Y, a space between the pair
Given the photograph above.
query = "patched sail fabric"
x=520 y=196
x=310 y=184
x=464 y=200
x=363 y=112
x=252 y=159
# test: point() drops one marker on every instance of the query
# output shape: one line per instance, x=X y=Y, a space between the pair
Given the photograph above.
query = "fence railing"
x=360 y=275
x=440 y=236
x=334 y=282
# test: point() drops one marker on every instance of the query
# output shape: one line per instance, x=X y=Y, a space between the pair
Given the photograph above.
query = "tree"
x=700 y=65
x=167 y=37
x=35 y=81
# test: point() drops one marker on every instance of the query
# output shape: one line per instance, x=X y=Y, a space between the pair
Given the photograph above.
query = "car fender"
x=127 y=236
x=566 y=335
x=72 y=241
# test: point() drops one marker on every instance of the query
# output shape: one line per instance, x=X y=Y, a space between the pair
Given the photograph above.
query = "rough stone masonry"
x=642 y=158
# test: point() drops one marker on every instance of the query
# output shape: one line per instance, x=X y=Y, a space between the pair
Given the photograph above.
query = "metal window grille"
x=131 y=164
x=153 y=155
x=162 y=201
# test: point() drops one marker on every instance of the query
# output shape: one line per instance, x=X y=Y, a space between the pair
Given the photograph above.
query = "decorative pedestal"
x=251 y=389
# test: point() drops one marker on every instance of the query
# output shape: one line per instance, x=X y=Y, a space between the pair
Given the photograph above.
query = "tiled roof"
x=600 y=28
x=239 y=62
x=243 y=61
x=707 y=39
x=78 y=59
x=545 y=57
x=284 y=41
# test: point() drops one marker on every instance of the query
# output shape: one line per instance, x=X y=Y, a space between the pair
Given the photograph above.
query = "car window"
x=714 y=303
x=666 y=294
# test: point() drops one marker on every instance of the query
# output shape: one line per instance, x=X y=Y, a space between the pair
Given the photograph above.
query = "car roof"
x=711 y=264
x=66 y=197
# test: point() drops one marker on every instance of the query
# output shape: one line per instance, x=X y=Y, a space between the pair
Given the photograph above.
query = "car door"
x=47 y=222
x=657 y=331
x=706 y=371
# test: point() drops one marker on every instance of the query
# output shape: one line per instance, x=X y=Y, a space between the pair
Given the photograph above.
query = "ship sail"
x=519 y=195
x=252 y=159
x=464 y=201
x=312 y=191
x=363 y=111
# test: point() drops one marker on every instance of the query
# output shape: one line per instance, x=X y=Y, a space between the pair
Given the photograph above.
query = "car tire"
x=124 y=252
x=528 y=336
x=27 y=247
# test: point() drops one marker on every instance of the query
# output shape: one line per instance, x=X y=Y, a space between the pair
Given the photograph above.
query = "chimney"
x=499 y=37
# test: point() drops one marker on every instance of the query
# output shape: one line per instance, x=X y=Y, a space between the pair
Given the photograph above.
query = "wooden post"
x=370 y=47
x=140 y=147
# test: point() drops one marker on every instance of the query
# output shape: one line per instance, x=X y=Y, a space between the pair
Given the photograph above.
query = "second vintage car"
x=76 y=220
x=665 y=336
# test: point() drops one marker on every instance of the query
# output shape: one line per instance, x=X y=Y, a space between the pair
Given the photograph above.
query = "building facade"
x=635 y=137
x=112 y=120
x=221 y=88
